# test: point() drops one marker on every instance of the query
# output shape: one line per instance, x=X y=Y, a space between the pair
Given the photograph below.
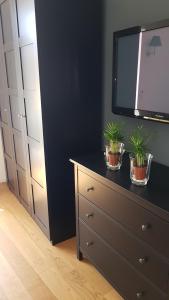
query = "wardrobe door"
x=12 y=105
x=20 y=106
x=32 y=102
x=7 y=62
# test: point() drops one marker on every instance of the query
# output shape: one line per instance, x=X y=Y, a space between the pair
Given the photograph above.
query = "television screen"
x=141 y=73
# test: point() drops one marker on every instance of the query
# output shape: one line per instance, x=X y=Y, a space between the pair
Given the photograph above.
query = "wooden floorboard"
x=31 y=268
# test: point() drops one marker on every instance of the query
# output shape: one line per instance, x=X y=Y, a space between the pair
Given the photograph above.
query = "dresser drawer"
x=147 y=226
x=116 y=269
x=137 y=253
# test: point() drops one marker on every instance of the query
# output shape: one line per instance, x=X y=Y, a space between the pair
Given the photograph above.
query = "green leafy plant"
x=139 y=140
x=113 y=135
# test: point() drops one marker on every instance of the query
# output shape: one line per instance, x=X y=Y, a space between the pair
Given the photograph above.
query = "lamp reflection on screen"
x=154 y=44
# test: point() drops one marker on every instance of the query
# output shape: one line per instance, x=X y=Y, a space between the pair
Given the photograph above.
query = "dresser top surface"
x=157 y=190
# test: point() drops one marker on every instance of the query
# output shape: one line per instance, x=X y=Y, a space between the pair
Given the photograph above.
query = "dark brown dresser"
x=124 y=229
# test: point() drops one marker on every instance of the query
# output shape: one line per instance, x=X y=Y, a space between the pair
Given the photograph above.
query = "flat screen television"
x=141 y=72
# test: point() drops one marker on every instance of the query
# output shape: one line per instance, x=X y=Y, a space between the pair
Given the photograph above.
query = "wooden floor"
x=31 y=268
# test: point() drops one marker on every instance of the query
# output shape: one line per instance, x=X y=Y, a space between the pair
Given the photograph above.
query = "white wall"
x=2 y=163
x=120 y=14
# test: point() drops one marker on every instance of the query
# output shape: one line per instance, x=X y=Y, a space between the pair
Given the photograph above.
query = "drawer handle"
x=89 y=215
x=145 y=227
x=139 y=295
x=88 y=244
x=91 y=188
x=142 y=260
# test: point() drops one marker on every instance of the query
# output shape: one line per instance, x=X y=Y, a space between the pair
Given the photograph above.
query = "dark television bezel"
x=149 y=115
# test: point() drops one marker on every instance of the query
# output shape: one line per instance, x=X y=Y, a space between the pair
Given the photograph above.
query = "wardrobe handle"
x=88 y=244
x=142 y=260
x=139 y=295
x=88 y=215
x=145 y=227
x=21 y=116
x=91 y=188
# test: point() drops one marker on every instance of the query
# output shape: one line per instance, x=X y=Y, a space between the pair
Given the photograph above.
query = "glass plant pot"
x=140 y=174
x=113 y=156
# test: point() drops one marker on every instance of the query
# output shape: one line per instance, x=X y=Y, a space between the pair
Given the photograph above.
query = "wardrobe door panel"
x=1 y=64
x=15 y=113
x=11 y=69
x=14 y=129
x=37 y=165
x=26 y=19
x=6 y=22
x=33 y=116
x=40 y=204
x=22 y=187
x=7 y=142
x=28 y=67
x=10 y=173
x=4 y=108
x=19 y=150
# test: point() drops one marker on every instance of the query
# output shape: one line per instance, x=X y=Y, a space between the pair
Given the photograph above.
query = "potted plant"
x=140 y=159
x=115 y=147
